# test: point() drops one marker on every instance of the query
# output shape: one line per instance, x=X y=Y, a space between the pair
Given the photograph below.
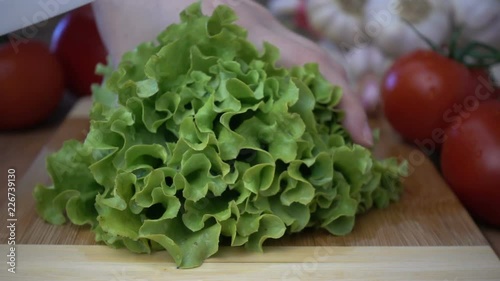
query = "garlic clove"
x=480 y=20
x=337 y=20
x=346 y=32
x=394 y=36
x=365 y=59
x=320 y=18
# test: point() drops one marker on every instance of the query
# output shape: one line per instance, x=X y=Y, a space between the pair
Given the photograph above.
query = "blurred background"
x=365 y=36
x=46 y=67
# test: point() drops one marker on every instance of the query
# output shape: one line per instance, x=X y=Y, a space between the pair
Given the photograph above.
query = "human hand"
x=125 y=23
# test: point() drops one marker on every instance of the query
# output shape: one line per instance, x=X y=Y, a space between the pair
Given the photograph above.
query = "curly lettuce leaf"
x=197 y=137
x=73 y=190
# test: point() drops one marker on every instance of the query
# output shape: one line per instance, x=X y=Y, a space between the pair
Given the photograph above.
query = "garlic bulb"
x=366 y=59
x=338 y=20
x=385 y=23
x=480 y=20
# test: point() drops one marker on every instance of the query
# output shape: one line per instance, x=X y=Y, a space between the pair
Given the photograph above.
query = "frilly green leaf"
x=197 y=136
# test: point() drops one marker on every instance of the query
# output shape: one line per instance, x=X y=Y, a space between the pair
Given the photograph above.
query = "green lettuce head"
x=199 y=136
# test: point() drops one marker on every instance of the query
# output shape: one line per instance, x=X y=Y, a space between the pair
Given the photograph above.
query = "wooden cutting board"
x=428 y=235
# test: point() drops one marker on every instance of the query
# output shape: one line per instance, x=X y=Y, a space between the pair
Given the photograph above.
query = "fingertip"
x=367 y=136
x=360 y=133
x=356 y=122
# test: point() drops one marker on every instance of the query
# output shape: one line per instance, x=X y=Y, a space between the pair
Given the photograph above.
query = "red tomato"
x=77 y=43
x=470 y=161
x=419 y=90
x=31 y=84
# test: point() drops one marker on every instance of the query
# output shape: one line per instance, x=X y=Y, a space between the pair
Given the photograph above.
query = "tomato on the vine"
x=470 y=161
x=419 y=89
x=77 y=43
x=31 y=85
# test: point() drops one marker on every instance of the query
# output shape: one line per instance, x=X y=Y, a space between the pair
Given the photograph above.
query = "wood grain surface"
x=441 y=241
x=87 y=263
x=428 y=214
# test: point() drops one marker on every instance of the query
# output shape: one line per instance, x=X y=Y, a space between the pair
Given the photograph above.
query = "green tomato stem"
x=431 y=44
x=482 y=54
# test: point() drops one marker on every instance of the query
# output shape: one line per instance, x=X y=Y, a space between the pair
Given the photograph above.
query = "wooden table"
x=22 y=150
x=19 y=149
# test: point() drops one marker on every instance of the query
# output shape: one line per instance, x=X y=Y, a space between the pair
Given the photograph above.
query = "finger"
x=368 y=91
x=355 y=121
